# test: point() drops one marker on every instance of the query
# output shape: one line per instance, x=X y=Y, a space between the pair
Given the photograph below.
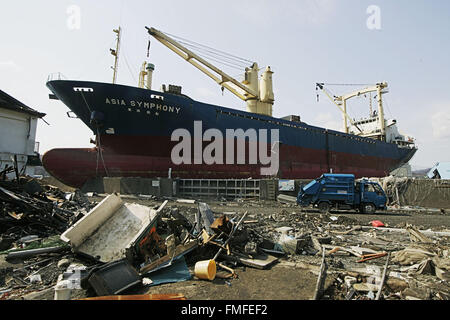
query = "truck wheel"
x=369 y=208
x=324 y=207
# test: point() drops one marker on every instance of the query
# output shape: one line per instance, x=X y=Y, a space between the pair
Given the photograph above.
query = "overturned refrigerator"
x=114 y=230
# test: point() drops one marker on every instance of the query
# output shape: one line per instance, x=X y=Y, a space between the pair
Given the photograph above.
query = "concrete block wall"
x=132 y=185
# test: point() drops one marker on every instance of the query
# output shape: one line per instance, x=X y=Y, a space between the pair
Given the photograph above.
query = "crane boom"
x=342 y=101
x=344 y=112
x=220 y=77
x=259 y=98
x=376 y=88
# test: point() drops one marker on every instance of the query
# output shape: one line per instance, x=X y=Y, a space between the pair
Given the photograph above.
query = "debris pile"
x=415 y=264
x=367 y=262
x=29 y=211
x=70 y=248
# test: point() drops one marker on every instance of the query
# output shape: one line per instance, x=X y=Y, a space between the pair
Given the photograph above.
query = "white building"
x=18 y=124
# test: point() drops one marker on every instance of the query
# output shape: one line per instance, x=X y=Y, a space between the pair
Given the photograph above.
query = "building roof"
x=8 y=102
x=441 y=168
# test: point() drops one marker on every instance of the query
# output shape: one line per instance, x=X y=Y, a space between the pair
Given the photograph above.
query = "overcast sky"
x=303 y=41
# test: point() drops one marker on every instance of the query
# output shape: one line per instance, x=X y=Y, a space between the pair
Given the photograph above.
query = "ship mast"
x=115 y=53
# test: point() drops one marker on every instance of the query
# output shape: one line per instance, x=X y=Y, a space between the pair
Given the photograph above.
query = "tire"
x=324 y=207
x=369 y=208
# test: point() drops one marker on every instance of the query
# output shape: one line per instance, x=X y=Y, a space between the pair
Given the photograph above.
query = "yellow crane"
x=257 y=93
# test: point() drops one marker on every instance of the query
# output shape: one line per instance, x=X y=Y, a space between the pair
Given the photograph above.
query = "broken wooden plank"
x=179 y=250
x=286 y=199
x=365 y=287
x=416 y=235
x=363 y=251
x=383 y=278
x=321 y=278
x=342 y=249
x=186 y=201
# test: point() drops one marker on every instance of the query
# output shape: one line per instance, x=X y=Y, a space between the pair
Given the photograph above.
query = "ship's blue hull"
x=137 y=124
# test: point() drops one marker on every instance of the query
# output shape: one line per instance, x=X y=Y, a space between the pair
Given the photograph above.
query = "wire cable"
x=132 y=72
x=99 y=145
x=217 y=55
x=218 y=51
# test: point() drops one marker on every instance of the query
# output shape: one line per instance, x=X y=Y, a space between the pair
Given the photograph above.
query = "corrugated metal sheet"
x=8 y=102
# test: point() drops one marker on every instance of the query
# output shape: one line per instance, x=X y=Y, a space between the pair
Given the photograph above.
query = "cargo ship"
x=134 y=129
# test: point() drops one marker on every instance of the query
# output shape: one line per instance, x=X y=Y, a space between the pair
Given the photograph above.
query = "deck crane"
x=258 y=94
x=341 y=102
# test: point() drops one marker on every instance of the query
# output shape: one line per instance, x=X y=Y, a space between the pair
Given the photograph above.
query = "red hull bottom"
x=74 y=167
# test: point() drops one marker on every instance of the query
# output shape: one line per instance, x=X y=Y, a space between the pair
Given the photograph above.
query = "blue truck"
x=342 y=192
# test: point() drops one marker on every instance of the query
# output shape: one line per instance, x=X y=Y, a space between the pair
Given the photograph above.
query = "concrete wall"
x=17 y=132
x=124 y=185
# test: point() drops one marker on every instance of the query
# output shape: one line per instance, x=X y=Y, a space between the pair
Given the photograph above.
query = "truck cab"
x=342 y=191
x=371 y=196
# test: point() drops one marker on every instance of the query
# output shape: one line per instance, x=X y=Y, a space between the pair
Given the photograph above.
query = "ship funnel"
x=150 y=68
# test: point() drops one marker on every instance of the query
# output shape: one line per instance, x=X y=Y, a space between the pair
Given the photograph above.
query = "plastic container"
x=377 y=224
x=288 y=244
x=205 y=269
x=62 y=290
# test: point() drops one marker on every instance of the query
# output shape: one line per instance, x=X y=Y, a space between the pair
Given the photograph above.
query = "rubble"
x=30 y=209
x=70 y=248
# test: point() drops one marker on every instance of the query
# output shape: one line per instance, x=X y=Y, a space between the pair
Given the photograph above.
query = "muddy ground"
x=290 y=279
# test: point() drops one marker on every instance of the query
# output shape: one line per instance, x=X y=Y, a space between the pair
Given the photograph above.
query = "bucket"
x=205 y=269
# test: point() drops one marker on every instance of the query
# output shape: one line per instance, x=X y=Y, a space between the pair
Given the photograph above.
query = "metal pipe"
x=34 y=252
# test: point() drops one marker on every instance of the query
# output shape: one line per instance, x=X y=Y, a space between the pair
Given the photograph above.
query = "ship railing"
x=405 y=144
x=56 y=76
